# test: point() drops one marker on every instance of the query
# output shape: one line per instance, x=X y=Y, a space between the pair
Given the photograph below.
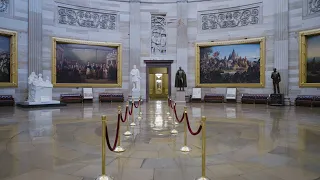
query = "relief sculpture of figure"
x=135 y=78
x=181 y=79
x=275 y=76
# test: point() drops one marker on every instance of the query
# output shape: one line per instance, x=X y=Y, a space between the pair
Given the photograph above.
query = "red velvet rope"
x=190 y=130
x=137 y=105
x=174 y=105
x=116 y=140
x=125 y=116
x=175 y=114
x=130 y=112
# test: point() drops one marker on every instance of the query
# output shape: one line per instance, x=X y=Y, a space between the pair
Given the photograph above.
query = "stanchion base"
x=168 y=113
x=202 y=178
x=133 y=124
x=127 y=133
x=175 y=122
x=185 y=149
x=169 y=117
x=104 y=177
x=174 y=131
x=140 y=113
x=119 y=149
x=139 y=117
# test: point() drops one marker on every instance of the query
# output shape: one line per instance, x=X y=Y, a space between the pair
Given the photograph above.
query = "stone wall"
x=14 y=17
x=278 y=21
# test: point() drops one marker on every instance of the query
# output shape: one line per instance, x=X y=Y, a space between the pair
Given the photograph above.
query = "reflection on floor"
x=244 y=142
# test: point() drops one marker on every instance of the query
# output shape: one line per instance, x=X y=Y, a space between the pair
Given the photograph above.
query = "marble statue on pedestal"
x=135 y=79
x=40 y=91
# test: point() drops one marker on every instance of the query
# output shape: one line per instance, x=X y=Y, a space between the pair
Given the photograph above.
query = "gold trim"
x=72 y=41
x=13 y=58
x=303 y=56
x=244 y=85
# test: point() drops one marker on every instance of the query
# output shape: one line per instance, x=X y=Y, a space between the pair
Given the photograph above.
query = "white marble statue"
x=135 y=78
x=39 y=90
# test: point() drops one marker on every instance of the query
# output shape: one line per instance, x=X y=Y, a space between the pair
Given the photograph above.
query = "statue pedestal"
x=276 y=100
x=136 y=95
x=180 y=97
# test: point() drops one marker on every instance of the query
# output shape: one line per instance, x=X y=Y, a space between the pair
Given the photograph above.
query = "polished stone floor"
x=244 y=142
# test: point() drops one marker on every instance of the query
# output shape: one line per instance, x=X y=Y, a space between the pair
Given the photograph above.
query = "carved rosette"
x=4 y=6
x=313 y=6
x=89 y=19
x=230 y=19
x=158 y=35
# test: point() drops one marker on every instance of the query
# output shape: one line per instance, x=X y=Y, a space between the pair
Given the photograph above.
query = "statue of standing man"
x=276 y=79
x=135 y=78
x=181 y=79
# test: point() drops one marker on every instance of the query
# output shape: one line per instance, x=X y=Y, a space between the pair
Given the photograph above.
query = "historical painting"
x=310 y=58
x=86 y=64
x=8 y=59
x=230 y=63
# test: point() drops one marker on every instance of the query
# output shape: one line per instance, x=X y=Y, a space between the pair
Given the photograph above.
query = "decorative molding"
x=182 y=1
x=311 y=8
x=134 y=1
x=4 y=6
x=158 y=34
x=231 y=17
x=86 y=18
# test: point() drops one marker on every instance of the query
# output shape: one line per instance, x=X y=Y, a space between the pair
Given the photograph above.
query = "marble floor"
x=244 y=142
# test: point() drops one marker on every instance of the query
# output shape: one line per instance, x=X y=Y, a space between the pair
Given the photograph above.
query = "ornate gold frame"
x=13 y=58
x=244 y=41
x=303 y=55
x=71 y=41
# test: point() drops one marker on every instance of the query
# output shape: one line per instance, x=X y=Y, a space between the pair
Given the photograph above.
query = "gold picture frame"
x=303 y=55
x=260 y=41
x=13 y=82
x=117 y=46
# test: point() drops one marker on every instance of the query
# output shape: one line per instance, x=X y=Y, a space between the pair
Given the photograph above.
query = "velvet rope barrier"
x=117 y=135
x=137 y=105
x=130 y=112
x=190 y=130
x=175 y=114
x=126 y=115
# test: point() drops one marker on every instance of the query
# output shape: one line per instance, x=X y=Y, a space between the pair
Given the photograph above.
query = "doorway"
x=158 y=83
x=158 y=79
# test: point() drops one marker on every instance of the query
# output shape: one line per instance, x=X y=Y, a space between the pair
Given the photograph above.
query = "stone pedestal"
x=180 y=97
x=136 y=95
x=276 y=100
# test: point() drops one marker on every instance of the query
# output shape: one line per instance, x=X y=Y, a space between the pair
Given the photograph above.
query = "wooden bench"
x=254 y=98
x=71 y=98
x=7 y=100
x=111 y=97
x=214 y=98
x=307 y=100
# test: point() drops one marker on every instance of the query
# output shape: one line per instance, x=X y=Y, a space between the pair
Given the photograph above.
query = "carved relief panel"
x=230 y=17
x=4 y=6
x=74 y=16
x=158 y=35
x=311 y=8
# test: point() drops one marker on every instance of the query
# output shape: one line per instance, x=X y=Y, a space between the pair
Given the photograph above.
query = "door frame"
x=157 y=64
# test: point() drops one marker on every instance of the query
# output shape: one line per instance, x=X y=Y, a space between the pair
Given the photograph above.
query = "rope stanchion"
x=140 y=113
x=185 y=148
x=175 y=114
x=127 y=133
x=203 y=174
x=126 y=114
x=112 y=148
x=119 y=149
x=103 y=158
x=132 y=114
x=169 y=106
x=189 y=127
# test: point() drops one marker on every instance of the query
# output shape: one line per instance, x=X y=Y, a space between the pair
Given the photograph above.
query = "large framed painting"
x=239 y=63
x=8 y=59
x=77 y=63
x=309 y=58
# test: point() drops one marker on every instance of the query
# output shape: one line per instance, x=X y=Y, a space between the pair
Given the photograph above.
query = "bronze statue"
x=275 y=76
x=181 y=79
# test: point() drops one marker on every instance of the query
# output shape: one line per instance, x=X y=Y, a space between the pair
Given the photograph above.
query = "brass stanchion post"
x=173 y=115
x=127 y=133
x=203 y=176
x=174 y=131
x=119 y=149
x=133 y=123
x=169 y=105
x=140 y=113
x=185 y=148
x=103 y=175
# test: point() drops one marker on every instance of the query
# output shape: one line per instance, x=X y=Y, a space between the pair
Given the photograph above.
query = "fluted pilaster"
x=182 y=34
x=35 y=36
x=281 y=43
x=135 y=49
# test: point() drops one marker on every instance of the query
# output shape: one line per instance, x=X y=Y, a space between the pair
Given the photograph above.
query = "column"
x=182 y=35
x=35 y=36
x=134 y=34
x=281 y=43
